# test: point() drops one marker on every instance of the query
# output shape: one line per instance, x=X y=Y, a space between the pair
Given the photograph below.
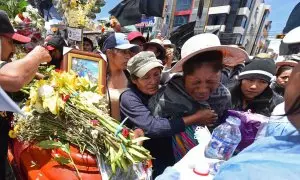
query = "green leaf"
x=94 y=88
x=62 y=160
x=3 y=7
x=118 y=155
x=49 y=144
x=113 y=167
x=22 y=4
x=65 y=148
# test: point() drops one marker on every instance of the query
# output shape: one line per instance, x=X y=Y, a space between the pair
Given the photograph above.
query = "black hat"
x=264 y=69
x=7 y=30
x=56 y=42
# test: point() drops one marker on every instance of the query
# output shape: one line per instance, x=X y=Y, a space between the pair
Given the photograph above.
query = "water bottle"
x=214 y=167
x=225 y=138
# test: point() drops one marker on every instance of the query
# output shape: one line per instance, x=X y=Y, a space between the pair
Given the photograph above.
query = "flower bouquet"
x=67 y=109
x=78 y=13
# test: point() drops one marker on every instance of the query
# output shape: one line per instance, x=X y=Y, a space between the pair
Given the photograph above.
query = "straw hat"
x=232 y=56
x=286 y=63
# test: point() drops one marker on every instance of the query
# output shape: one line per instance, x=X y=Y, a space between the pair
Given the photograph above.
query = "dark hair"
x=89 y=41
x=133 y=77
x=281 y=69
x=213 y=57
x=261 y=104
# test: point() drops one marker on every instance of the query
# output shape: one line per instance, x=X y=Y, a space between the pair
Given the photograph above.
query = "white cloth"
x=195 y=157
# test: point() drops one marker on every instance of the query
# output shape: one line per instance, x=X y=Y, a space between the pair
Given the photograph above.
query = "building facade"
x=240 y=22
x=255 y=27
x=191 y=10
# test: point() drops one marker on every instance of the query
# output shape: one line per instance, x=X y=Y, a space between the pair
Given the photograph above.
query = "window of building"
x=180 y=20
x=240 y=21
x=217 y=19
x=183 y=5
x=247 y=3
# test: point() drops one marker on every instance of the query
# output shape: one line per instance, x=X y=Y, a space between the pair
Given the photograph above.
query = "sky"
x=280 y=11
x=108 y=6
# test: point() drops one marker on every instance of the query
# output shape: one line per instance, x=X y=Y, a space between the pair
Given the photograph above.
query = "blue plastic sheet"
x=274 y=157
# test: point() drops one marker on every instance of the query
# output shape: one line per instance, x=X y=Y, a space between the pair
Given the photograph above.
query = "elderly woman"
x=199 y=87
x=253 y=91
x=283 y=73
x=145 y=71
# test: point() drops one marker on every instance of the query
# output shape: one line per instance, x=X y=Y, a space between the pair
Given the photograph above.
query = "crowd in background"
x=165 y=97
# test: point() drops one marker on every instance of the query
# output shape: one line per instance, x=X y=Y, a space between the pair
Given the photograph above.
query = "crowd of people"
x=165 y=98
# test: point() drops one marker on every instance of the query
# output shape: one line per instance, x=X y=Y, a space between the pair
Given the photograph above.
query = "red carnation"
x=94 y=122
x=125 y=132
x=65 y=98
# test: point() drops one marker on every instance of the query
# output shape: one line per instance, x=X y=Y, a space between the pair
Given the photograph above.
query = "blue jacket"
x=272 y=157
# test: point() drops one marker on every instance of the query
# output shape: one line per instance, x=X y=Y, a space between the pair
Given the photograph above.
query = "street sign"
x=74 y=34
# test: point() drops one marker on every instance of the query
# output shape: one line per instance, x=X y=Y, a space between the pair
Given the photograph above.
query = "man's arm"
x=14 y=75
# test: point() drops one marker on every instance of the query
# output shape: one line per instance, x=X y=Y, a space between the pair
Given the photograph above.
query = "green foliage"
x=62 y=160
x=50 y=144
x=13 y=7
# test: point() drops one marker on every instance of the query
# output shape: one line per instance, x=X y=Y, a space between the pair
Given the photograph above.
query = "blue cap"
x=117 y=41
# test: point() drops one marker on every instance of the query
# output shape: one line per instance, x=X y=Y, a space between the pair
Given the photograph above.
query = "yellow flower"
x=33 y=96
x=16 y=128
x=73 y=3
x=83 y=83
x=52 y=104
x=27 y=109
x=12 y=134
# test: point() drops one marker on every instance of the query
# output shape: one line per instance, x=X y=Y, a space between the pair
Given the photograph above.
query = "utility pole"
x=207 y=16
x=172 y=16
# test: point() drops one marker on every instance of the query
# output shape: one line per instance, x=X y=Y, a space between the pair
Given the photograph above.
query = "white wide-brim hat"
x=232 y=56
x=286 y=63
x=292 y=37
x=168 y=43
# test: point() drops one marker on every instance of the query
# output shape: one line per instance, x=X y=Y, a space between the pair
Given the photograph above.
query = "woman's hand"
x=138 y=133
x=169 y=57
x=201 y=117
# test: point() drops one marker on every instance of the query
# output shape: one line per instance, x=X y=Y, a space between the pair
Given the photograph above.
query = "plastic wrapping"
x=251 y=124
x=135 y=172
